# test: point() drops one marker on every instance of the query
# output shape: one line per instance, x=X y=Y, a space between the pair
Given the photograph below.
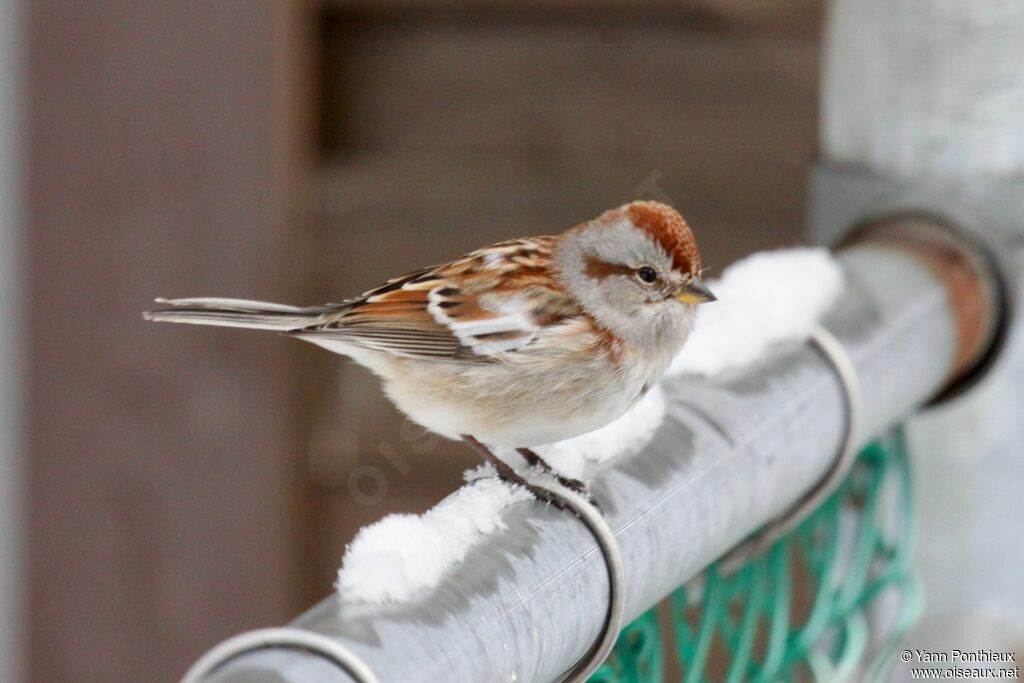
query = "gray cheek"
x=645 y=297
x=621 y=291
x=657 y=294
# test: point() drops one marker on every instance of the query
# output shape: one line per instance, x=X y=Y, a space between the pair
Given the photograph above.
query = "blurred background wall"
x=163 y=469
x=184 y=484
x=11 y=340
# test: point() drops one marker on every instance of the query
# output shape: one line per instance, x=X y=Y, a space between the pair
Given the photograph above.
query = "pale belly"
x=517 y=404
x=511 y=406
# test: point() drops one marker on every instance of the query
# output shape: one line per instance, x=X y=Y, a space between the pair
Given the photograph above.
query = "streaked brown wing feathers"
x=490 y=301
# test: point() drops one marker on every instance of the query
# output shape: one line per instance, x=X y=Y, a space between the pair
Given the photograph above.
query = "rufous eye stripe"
x=599 y=270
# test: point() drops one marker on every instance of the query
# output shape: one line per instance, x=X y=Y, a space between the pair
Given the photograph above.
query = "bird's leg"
x=534 y=460
x=507 y=473
x=505 y=470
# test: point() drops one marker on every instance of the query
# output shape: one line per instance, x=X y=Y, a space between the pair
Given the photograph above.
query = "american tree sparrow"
x=518 y=344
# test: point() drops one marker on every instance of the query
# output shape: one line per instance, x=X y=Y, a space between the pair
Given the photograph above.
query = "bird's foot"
x=578 y=487
x=574 y=485
x=508 y=474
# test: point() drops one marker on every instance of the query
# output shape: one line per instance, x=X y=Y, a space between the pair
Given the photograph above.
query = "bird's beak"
x=695 y=292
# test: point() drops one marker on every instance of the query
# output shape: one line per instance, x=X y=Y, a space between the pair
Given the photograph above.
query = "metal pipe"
x=732 y=453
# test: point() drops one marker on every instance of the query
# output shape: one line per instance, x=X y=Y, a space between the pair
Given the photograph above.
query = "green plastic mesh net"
x=828 y=602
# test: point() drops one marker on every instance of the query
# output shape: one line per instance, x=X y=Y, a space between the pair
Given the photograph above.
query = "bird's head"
x=636 y=270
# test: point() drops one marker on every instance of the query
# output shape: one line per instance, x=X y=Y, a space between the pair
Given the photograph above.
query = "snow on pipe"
x=734 y=450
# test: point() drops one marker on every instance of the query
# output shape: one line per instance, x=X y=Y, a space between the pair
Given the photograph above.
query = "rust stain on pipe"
x=969 y=277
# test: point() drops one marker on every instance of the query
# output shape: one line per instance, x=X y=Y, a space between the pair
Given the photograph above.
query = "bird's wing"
x=493 y=301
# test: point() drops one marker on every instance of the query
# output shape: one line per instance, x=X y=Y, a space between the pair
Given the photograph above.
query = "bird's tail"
x=258 y=315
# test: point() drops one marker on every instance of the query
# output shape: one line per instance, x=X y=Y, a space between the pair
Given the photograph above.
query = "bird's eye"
x=647 y=274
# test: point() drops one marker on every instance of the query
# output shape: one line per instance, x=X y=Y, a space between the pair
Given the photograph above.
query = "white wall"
x=10 y=338
x=925 y=87
x=932 y=91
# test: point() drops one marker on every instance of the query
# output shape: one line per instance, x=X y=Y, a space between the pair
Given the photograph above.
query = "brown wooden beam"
x=163 y=461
